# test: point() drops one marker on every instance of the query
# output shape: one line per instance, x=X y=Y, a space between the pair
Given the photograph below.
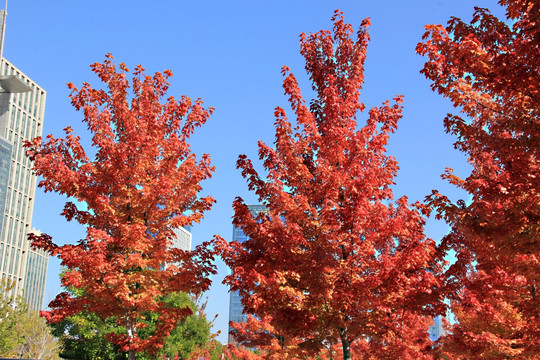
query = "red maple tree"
x=141 y=185
x=335 y=259
x=489 y=70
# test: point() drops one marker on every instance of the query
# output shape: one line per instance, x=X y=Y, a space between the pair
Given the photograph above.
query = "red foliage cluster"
x=334 y=258
x=335 y=267
x=142 y=184
x=489 y=70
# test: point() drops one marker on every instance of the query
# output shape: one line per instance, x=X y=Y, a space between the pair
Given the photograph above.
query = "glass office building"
x=436 y=330
x=5 y=165
x=35 y=277
x=236 y=313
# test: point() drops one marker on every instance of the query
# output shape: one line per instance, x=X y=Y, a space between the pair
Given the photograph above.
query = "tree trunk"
x=130 y=331
x=345 y=344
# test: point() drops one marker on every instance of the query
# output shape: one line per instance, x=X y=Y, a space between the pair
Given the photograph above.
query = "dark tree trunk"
x=345 y=344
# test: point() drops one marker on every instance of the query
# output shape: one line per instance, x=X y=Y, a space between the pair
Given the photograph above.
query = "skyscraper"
x=235 y=303
x=436 y=330
x=182 y=240
x=22 y=107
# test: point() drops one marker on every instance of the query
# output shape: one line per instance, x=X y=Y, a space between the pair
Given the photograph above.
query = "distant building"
x=22 y=106
x=35 y=277
x=436 y=330
x=183 y=238
x=236 y=311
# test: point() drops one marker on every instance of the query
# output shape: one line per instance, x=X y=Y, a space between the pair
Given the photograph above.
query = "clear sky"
x=229 y=53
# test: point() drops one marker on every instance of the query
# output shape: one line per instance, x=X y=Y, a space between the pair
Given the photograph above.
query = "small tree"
x=489 y=70
x=142 y=184
x=12 y=310
x=81 y=335
x=38 y=342
x=22 y=332
x=335 y=259
x=189 y=334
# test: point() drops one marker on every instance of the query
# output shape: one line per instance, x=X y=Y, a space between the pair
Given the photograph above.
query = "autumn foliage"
x=489 y=70
x=335 y=260
x=273 y=344
x=141 y=185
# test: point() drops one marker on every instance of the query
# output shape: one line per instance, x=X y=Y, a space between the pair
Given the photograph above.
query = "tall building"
x=436 y=330
x=236 y=311
x=22 y=107
x=35 y=277
x=182 y=240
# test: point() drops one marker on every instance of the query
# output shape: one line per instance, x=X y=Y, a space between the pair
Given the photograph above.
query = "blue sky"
x=229 y=53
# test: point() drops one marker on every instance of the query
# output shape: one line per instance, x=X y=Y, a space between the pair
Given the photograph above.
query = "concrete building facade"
x=182 y=240
x=22 y=107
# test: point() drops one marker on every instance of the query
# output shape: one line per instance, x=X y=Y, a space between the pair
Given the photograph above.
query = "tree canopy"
x=335 y=258
x=489 y=70
x=143 y=183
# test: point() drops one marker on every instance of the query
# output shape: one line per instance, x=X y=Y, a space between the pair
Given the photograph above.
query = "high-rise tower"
x=236 y=310
x=436 y=330
x=182 y=240
x=22 y=107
